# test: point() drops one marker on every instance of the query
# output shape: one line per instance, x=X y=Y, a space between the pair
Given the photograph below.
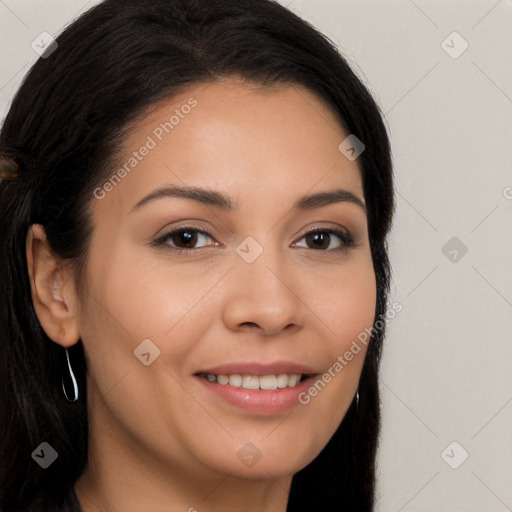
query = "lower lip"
x=258 y=401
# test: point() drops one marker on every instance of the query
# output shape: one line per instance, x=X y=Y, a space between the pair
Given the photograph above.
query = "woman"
x=194 y=210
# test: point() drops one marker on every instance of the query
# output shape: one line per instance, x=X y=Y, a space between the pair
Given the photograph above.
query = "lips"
x=260 y=388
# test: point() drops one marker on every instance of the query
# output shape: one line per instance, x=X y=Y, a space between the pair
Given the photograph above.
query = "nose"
x=265 y=295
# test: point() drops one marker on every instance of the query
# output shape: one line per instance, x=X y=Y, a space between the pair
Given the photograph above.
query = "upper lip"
x=259 y=369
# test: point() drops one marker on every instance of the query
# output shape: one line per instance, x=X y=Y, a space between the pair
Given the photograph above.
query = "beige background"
x=446 y=368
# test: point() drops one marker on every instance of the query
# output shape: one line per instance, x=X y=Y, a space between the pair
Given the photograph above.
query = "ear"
x=53 y=290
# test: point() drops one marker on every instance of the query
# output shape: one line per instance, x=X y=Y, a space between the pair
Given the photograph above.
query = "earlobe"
x=52 y=289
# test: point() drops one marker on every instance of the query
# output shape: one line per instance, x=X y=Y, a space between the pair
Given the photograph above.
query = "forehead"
x=252 y=142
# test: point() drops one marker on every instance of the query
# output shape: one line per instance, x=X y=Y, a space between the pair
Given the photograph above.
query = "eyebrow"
x=226 y=203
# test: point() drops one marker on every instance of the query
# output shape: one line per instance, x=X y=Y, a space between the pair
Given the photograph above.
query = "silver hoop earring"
x=72 y=375
x=357 y=399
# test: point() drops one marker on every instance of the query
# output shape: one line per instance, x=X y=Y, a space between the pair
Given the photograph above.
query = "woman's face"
x=252 y=286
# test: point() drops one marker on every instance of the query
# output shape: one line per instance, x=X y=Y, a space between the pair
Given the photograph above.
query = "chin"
x=250 y=462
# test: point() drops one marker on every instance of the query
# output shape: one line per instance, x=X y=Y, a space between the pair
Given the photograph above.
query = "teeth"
x=235 y=380
x=268 y=382
x=282 y=381
x=250 y=382
x=265 y=382
x=222 y=379
x=293 y=380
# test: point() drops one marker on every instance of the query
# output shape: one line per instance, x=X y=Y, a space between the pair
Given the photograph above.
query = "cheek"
x=346 y=299
x=130 y=299
x=143 y=298
x=352 y=323
x=346 y=305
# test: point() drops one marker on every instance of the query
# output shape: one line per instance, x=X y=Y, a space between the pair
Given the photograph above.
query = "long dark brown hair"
x=65 y=126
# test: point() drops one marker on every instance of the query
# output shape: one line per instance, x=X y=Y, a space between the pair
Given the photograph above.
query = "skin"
x=158 y=439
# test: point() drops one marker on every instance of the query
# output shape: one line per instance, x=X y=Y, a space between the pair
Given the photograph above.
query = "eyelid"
x=328 y=229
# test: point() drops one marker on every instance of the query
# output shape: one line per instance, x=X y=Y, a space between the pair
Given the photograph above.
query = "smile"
x=254 y=382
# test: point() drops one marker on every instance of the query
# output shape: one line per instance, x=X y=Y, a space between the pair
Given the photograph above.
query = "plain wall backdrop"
x=441 y=72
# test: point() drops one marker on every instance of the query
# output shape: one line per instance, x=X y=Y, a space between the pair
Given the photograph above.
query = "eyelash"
x=346 y=240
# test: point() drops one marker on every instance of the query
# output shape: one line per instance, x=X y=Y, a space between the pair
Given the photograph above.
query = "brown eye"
x=323 y=239
x=183 y=239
